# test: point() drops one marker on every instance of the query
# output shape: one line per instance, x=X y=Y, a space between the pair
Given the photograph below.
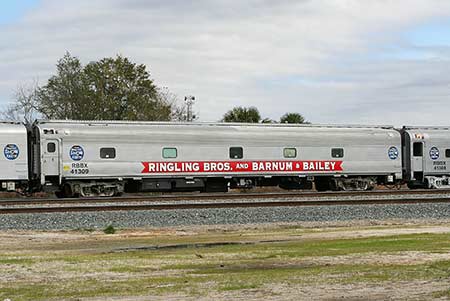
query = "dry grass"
x=287 y=262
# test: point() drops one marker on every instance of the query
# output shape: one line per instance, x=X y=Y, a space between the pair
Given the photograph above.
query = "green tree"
x=66 y=94
x=292 y=118
x=109 y=89
x=242 y=114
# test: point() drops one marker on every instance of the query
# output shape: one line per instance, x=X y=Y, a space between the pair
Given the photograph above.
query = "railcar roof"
x=442 y=128
x=13 y=125
x=12 y=128
x=224 y=124
x=5 y=122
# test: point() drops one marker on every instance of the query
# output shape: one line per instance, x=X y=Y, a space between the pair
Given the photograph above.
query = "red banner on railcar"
x=241 y=166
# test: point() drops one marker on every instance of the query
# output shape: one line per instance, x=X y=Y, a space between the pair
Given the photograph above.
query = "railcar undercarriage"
x=430 y=182
x=20 y=187
x=437 y=182
x=91 y=189
x=345 y=184
x=214 y=184
x=110 y=188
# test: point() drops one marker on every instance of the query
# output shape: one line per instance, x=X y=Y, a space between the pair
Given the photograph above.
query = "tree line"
x=252 y=115
x=110 y=89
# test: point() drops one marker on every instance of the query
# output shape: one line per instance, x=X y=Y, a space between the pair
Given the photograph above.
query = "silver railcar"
x=14 y=158
x=426 y=156
x=106 y=157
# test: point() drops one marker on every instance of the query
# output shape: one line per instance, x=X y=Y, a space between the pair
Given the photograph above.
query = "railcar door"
x=50 y=157
x=417 y=160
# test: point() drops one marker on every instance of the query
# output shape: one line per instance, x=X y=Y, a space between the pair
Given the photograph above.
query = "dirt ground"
x=365 y=260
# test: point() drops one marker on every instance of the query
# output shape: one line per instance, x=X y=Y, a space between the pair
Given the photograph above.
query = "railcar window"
x=107 y=153
x=337 y=152
x=417 y=149
x=51 y=147
x=169 y=152
x=447 y=153
x=290 y=152
x=236 y=153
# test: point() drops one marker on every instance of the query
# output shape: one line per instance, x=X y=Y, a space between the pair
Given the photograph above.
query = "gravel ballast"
x=168 y=218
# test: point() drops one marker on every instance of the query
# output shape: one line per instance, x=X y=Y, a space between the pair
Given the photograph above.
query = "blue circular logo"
x=11 y=151
x=76 y=153
x=434 y=153
x=393 y=153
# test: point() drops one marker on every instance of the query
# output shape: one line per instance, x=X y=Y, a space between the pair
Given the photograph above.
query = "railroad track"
x=216 y=196
x=171 y=202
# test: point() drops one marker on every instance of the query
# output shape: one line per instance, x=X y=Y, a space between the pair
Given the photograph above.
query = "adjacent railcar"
x=105 y=158
x=426 y=159
x=14 y=160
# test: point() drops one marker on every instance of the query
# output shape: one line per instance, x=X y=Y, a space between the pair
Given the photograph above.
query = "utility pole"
x=189 y=103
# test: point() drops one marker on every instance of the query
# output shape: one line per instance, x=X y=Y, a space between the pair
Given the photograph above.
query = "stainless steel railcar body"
x=426 y=157
x=14 y=158
x=105 y=156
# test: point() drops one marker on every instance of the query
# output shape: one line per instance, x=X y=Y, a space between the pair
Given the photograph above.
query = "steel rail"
x=220 y=205
x=214 y=196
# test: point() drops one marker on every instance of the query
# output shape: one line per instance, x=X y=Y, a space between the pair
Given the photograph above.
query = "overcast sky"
x=334 y=61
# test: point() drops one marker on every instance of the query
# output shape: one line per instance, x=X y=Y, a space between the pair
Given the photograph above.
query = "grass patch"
x=17 y=261
x=230 y=276
x=442 y=294
x=131 y=269
x=238 y=286
x=109 y=230
x=96 y=288
x=313 y=248
x=258 y=275
x=89 y=272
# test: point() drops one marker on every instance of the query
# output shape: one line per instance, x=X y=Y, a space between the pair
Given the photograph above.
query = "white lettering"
x=333 y=164
x=196 y=167
x=276 y=166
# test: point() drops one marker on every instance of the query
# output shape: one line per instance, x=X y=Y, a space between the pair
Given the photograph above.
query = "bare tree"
x=179 y=108
x=25 y=106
